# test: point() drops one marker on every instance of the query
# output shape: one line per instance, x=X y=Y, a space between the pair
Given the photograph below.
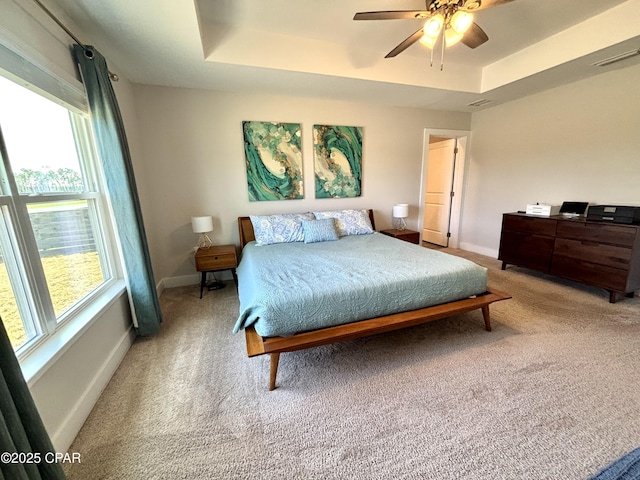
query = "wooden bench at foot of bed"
x=257 y=345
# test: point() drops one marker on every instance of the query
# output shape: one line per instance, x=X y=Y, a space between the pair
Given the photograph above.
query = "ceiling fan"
x=446 y=21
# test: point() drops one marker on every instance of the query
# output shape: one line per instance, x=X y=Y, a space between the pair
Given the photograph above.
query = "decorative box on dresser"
x=601 y=254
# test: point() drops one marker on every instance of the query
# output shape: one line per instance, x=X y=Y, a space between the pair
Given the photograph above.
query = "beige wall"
x=577 y=142
x=194 y=161
x=66 y=390
x=66 y=393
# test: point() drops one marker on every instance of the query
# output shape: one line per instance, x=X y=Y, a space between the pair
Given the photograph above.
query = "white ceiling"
x=314 y=48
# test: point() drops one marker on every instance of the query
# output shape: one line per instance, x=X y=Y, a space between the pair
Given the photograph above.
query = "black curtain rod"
x=112 y=75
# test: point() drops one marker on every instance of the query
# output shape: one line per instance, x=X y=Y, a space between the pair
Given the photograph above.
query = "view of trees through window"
x=52 y=252
x=39 y=181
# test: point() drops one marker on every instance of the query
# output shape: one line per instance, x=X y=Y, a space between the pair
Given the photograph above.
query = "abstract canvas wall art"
x=337 y=155
x=273 y=158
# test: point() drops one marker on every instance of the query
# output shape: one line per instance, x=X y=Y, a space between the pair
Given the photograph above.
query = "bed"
x=297 y=295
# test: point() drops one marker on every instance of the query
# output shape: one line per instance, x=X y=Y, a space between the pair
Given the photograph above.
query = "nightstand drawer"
x=406 y=235
x=411 y=237
x=216 y=262
x=218 y=257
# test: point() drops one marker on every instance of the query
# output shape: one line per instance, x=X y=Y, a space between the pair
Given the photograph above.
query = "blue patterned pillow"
x=319 y=230
x=349 y=222
x=284 y=228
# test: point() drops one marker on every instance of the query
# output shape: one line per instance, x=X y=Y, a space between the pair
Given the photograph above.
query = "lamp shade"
x=202 y=224
x=401 y=210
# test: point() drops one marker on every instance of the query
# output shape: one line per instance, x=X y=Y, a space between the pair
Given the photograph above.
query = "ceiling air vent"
x=479 y=103
x=617 y=58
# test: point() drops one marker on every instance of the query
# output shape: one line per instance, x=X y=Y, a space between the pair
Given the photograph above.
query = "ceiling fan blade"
x=471 y=5
x=405 y=44
x=475 y=36
x=392 y=15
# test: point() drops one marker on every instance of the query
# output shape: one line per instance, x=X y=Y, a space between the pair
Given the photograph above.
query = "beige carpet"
x=552 y=393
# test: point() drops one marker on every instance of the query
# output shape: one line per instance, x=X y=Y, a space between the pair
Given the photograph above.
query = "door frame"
x=463 y=137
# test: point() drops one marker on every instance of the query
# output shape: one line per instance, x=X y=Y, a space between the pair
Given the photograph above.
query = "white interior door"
x=439 y=185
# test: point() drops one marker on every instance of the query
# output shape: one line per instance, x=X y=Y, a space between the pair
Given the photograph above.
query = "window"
x=54 y=253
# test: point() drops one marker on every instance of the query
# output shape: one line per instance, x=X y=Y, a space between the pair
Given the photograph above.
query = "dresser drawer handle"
x=590 y=243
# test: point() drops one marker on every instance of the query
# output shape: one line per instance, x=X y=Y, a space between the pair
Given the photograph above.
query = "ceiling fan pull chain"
x=442 y=39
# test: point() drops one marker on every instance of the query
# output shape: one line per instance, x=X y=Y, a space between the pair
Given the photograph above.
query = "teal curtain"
x=118 y=169
x=23 y=437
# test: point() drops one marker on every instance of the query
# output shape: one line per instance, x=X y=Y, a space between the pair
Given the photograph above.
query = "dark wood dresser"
x=605 y=255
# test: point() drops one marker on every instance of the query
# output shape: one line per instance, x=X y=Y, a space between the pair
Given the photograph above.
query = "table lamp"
x=203 y=225
x=400 y=212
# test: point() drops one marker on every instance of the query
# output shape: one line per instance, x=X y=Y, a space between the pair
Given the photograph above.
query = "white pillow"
x=349 y=222
x=283 y=228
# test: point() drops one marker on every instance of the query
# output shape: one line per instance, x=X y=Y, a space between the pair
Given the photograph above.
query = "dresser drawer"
x=598 y=232
x=539 y=226
x=526 y=250
x=589 y=273
x=601 y=254
x=594 y=252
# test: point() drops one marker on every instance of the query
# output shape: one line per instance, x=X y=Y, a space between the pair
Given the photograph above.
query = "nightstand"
x=410 y=236
x=215 y=259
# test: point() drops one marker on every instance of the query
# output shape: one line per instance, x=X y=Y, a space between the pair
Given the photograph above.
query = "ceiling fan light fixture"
x=461 y=21
x=446 y=22
x=451 y=37
x=431 y=30
x=428 y=41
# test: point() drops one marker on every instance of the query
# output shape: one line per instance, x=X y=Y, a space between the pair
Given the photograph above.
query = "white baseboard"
x=470 y=247
x=71 y=425
x=172 y=282
x=160 y=288
x=184 y=280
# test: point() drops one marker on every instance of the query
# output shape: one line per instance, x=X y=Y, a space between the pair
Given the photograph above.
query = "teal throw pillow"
x=319 y=230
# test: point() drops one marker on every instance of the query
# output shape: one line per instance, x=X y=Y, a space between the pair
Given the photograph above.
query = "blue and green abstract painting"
x=273 y=156
x=337 y=152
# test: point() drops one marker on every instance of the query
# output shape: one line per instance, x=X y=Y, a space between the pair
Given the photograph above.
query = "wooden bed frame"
x=274 y=346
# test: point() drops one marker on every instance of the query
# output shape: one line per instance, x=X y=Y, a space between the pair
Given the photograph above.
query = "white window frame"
x=54 y=335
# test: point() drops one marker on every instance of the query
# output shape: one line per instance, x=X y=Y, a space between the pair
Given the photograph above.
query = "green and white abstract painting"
x=273 y=157
x=337 y=153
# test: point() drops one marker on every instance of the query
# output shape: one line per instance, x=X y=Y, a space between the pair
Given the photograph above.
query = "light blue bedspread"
x=293 y=287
